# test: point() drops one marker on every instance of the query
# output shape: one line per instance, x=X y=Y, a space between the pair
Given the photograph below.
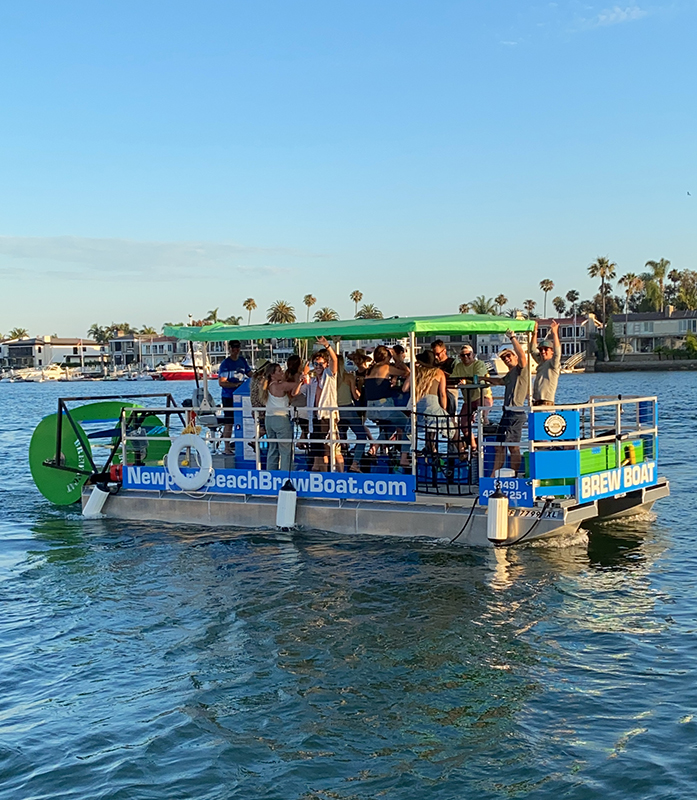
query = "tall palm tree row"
x=546 y=285
x=559 y=305
x=249 y=305
x=280 y=313
x=604 y=269
x=500 y=301
x=356 y=297
x=309 y=301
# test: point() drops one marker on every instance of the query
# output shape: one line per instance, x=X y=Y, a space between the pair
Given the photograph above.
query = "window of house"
x=74 y=351
x=117 y=347
x=648 y=327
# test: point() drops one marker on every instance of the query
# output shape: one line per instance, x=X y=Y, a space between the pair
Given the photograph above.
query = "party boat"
x=144 y=457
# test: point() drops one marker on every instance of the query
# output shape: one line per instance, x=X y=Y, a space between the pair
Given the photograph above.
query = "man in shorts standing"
x=510 y=427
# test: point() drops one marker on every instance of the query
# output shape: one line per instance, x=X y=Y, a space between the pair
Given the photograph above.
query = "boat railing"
x=579 y=439
x=568 y=442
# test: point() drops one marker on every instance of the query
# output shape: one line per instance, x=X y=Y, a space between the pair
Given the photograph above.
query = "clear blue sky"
x=164 y=158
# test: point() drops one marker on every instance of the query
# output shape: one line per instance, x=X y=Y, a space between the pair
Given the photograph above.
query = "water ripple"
x=141 y=661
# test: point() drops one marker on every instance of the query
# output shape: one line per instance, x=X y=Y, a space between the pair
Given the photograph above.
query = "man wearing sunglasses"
x=510 y=428
x=548 y=358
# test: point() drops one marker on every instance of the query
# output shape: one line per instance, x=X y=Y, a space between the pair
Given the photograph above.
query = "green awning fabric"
x=393 y=328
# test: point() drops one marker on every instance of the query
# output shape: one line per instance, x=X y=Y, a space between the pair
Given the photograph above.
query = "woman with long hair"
x=275 y=395
x=432 y=401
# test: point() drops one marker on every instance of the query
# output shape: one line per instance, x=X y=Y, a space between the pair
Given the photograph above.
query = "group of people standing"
x=329 y=400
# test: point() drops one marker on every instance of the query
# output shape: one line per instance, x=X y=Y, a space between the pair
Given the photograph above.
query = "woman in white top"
x=276 y=392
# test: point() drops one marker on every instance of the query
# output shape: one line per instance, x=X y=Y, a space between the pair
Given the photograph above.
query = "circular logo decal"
x=554 y=425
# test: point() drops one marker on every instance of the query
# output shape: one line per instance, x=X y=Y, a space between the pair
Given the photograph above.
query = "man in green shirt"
x=470 y=370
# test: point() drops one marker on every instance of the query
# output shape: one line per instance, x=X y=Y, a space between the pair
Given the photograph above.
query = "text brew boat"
x=581 y=462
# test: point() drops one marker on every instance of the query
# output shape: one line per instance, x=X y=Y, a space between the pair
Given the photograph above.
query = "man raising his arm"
x=510 y=427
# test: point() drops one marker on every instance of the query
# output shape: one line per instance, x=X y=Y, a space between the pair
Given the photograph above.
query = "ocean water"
x=152 y=661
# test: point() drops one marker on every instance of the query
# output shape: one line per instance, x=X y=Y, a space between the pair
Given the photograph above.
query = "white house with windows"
x=41 y=351
x=644 y=332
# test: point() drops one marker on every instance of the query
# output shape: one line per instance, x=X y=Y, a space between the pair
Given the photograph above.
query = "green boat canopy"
x=393 y=328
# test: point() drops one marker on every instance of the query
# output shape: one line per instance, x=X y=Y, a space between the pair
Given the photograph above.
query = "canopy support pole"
x=412 y=399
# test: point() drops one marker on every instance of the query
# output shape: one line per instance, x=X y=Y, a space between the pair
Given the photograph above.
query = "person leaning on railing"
x=548 y=358
x=510 y=428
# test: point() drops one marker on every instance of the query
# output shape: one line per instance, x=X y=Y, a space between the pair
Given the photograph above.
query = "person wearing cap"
x=510 y=428
x=470 y=369
x=232 y=372
x=548 y=358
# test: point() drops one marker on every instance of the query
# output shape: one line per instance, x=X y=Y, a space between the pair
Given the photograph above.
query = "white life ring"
x=191 y=482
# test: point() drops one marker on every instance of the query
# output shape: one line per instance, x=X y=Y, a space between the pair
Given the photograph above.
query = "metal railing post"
x=412 y=400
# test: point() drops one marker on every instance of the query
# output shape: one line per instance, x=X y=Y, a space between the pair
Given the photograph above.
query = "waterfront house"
x=41 y=351
x=646 y=331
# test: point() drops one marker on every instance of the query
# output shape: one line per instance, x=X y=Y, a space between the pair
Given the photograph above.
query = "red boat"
x=183 y=372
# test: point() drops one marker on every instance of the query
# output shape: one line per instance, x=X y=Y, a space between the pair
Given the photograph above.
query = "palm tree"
x=500 y=301
x=249 y=305
x=98 y=334
x=356 y=296
x=232 y=320
x=18 y=333
x=212 y=315
x=483 y=305
x=369 y=311
x=464 y=308
x=603 y=268
x=148 y=330
x=560 y=305
x=529 y=306
x=280 y=312
x=309 y=301
x=326 y=315
x=546 y=285
x=659 y=269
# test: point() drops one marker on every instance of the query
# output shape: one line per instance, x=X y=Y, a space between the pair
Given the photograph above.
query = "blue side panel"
x=517 y=490
x=554 y=426
x=549 y=464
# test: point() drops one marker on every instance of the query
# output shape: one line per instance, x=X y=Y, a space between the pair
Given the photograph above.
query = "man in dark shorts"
x=510 y=428
x=232 y=372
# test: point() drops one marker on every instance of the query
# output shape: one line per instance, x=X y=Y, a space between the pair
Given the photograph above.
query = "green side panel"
x=598 y=459
x=56 y=485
